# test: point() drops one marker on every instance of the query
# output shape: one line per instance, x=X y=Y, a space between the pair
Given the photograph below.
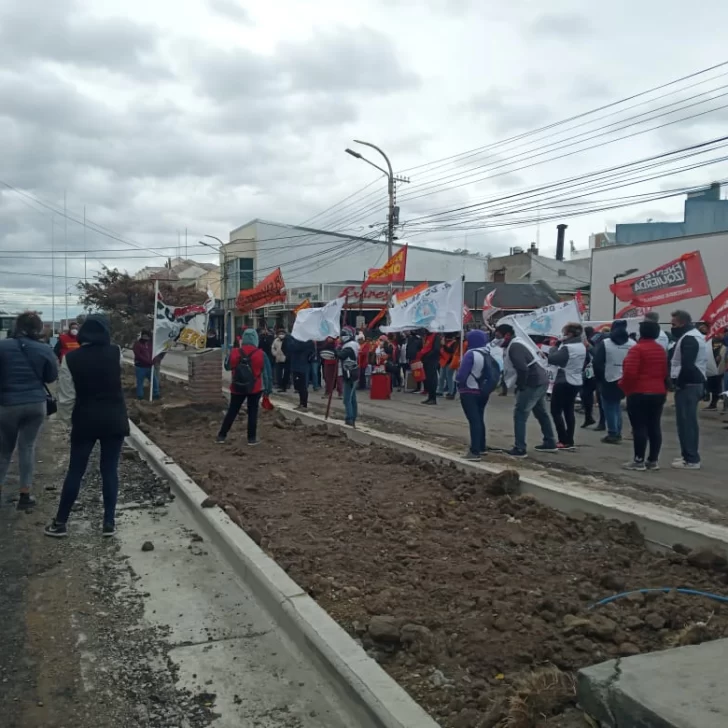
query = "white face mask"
x=74 y=332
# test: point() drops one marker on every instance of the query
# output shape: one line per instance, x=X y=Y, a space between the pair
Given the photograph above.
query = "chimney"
x=560 y=241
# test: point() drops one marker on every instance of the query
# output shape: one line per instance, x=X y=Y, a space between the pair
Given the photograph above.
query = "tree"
x=129 y=303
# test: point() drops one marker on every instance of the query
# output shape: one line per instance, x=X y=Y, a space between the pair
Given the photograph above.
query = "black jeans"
x=236 y=402
x=286 y=376
x=474 y=408
x=563 y=397
x=587 y=397
x=645 y=413
x=300 y=384
x=431 y=382
x=78 y=462
x=279 y=370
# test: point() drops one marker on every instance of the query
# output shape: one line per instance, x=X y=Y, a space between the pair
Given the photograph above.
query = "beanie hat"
x=250 y=337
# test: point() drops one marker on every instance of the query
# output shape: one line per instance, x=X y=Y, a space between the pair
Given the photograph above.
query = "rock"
x=196 y=538
x=613 y=582
x=255 y=535
x=548 y=616
x=384 y=629
x=681 y=548
x=147 y=546
x=208 y=503
x=505 y=483
x=438 y=679
x=601 y=627
x=577 y=516
x=234 y=515
x=411 y=633
x=574 y=624
x=627 y=649
x=708 y=559
x=516 y=536
x=655 y=621
x=632 y=621
x=351 y=591
x=505 y=624
x=636 y=598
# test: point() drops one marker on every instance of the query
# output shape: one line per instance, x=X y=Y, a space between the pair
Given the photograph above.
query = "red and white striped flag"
x=488 y=308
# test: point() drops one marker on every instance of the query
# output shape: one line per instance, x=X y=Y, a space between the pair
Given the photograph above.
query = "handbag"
x=51 y=403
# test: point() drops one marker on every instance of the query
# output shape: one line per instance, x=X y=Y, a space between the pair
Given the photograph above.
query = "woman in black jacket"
x=90 y=390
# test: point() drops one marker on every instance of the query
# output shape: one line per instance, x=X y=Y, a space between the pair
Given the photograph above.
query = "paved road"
x=446 y=424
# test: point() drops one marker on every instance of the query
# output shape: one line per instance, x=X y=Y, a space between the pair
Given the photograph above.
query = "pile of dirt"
x=476 y=599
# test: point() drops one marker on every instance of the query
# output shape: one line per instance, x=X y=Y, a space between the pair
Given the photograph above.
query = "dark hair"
x=145 y=332
x=505 y=329
x=28 y=324
x=652 y=316
x=574 y=329
x=649 y=329
x=682 y=316
x=589 y=331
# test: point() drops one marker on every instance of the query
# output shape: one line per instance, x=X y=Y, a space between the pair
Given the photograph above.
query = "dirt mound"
x=465 y=591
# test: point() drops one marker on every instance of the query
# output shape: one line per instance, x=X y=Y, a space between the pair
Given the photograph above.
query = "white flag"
x=180 y=325
x=317 y=324
x=546 y=321
x=437 y=308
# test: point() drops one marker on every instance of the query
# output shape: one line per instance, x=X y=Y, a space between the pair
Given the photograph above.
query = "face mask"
x=676 y=331
x=74 y=332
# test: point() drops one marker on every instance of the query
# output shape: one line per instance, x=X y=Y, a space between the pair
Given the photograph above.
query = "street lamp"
x=475 y=300
x=391 y=179
x=626 y=273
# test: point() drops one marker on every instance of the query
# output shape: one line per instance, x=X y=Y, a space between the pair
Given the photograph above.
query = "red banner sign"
x=716 y=315
x=355 y=293
x=675 y=281
x=270 y=290
x=632 y=312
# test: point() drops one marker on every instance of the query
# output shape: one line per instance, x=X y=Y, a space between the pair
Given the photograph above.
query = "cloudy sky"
x=162 y=116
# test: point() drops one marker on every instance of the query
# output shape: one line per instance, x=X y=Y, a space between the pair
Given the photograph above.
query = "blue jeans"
x=532 y=399
x=350 y=404
x=315 y=374
x=474 y=408
x=613 y=416
x=446 y=381
x=78 y=462
x=687 y=399
x=142 y=374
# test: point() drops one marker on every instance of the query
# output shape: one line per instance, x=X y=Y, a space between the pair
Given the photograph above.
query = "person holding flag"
x=429 y=356
x=523 y=369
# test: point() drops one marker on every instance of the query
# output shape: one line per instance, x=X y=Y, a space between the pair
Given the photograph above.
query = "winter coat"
x=21 y=376
x=644 y=370
x=257 y=364
x=277 y=351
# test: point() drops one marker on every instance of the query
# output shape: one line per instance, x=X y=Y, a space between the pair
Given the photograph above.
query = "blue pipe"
x=665 y=589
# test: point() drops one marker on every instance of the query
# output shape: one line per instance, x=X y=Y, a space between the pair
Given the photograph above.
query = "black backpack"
x=490 y=374
x=243 y=377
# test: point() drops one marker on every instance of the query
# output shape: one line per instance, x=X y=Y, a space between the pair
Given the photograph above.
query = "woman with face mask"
x=67 y=341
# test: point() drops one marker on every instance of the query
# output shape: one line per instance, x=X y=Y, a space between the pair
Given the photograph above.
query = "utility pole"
x=53 y=274
x=65 y=256
x=85 y=272
x=393 y=215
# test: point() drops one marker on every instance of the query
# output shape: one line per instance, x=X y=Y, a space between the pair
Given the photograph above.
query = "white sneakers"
x=680 y=464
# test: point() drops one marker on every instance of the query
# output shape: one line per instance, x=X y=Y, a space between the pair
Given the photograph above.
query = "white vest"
x=615 y=355
x=574 y=369
x=663 y=341
x=702 y=360
x=510 y=375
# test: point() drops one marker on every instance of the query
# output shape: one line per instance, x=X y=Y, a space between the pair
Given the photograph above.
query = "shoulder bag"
x=51 y=404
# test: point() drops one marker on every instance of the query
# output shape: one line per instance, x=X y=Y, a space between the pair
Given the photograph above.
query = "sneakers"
x=25 y=502
x=516 y=452
x=429 y=401
x=108 y=530
x=612 y=440
x=635 y=465
x=652 y=465
x=56 y=530
x=220 y=440
x=471 y=457
x=543 y=447
x=300 y=408
x=253 y=443
x=566 y=448
x=600 y=428
x=681 y=464
x=588 y=423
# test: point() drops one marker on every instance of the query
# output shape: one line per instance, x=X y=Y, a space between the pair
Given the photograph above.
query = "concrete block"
x=680 y=688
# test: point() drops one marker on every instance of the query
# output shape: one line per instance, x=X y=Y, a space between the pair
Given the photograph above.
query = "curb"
x=375 y=699
x=662 y=527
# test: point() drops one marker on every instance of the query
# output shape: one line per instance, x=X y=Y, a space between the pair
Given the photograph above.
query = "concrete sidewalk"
x=106 y=634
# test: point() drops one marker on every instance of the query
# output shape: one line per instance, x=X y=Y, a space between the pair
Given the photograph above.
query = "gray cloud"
x=230 y=9
x=506 y=115
x=561 y=25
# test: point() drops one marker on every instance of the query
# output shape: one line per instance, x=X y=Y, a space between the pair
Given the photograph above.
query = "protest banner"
x=318 y=324
x=546 y=321
x=438 y=308
x=270 y=290
x=393 y=271
x=716 y=315
x=179 y=324
x=631 y=311
x=677 y=280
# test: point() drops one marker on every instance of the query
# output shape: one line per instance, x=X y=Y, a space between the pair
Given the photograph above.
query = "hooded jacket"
x=25 y=364
x=619 y=337
x=258 y=360
x=471 y=366
x=89 y=385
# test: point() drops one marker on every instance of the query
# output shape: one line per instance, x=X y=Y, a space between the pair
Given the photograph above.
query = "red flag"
x=404 y=295
x=579 y=298
x=674 y=281
x=372 y=324
x=716 y=315
x=393 y=271
x=467 y=314
x=271 y=289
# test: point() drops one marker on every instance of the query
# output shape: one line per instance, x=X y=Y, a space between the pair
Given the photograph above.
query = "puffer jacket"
x=277 y=351
x=21 y=376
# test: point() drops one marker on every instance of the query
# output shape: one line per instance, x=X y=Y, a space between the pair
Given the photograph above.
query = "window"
x=239 y=276
x=499 y=276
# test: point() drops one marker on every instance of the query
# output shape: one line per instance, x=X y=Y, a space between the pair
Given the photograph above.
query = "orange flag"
x=404 y=295
x=270 y=290
x=303 y=305
x=393 y=271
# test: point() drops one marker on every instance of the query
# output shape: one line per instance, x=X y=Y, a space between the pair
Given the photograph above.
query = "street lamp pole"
x=475 y=300
x=614 y=295
x=391 y=179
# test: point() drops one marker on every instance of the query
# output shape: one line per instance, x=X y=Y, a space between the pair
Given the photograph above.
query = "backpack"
x=243 y=377
x=490 y=374
x=350 y=370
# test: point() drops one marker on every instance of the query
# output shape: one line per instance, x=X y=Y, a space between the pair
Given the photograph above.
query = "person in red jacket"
x=644 y=381
x=429 y=355
x=247 y=364
x=67 y=341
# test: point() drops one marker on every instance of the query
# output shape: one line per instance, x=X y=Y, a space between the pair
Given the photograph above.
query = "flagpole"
x=462 y=315
x=154 y=339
